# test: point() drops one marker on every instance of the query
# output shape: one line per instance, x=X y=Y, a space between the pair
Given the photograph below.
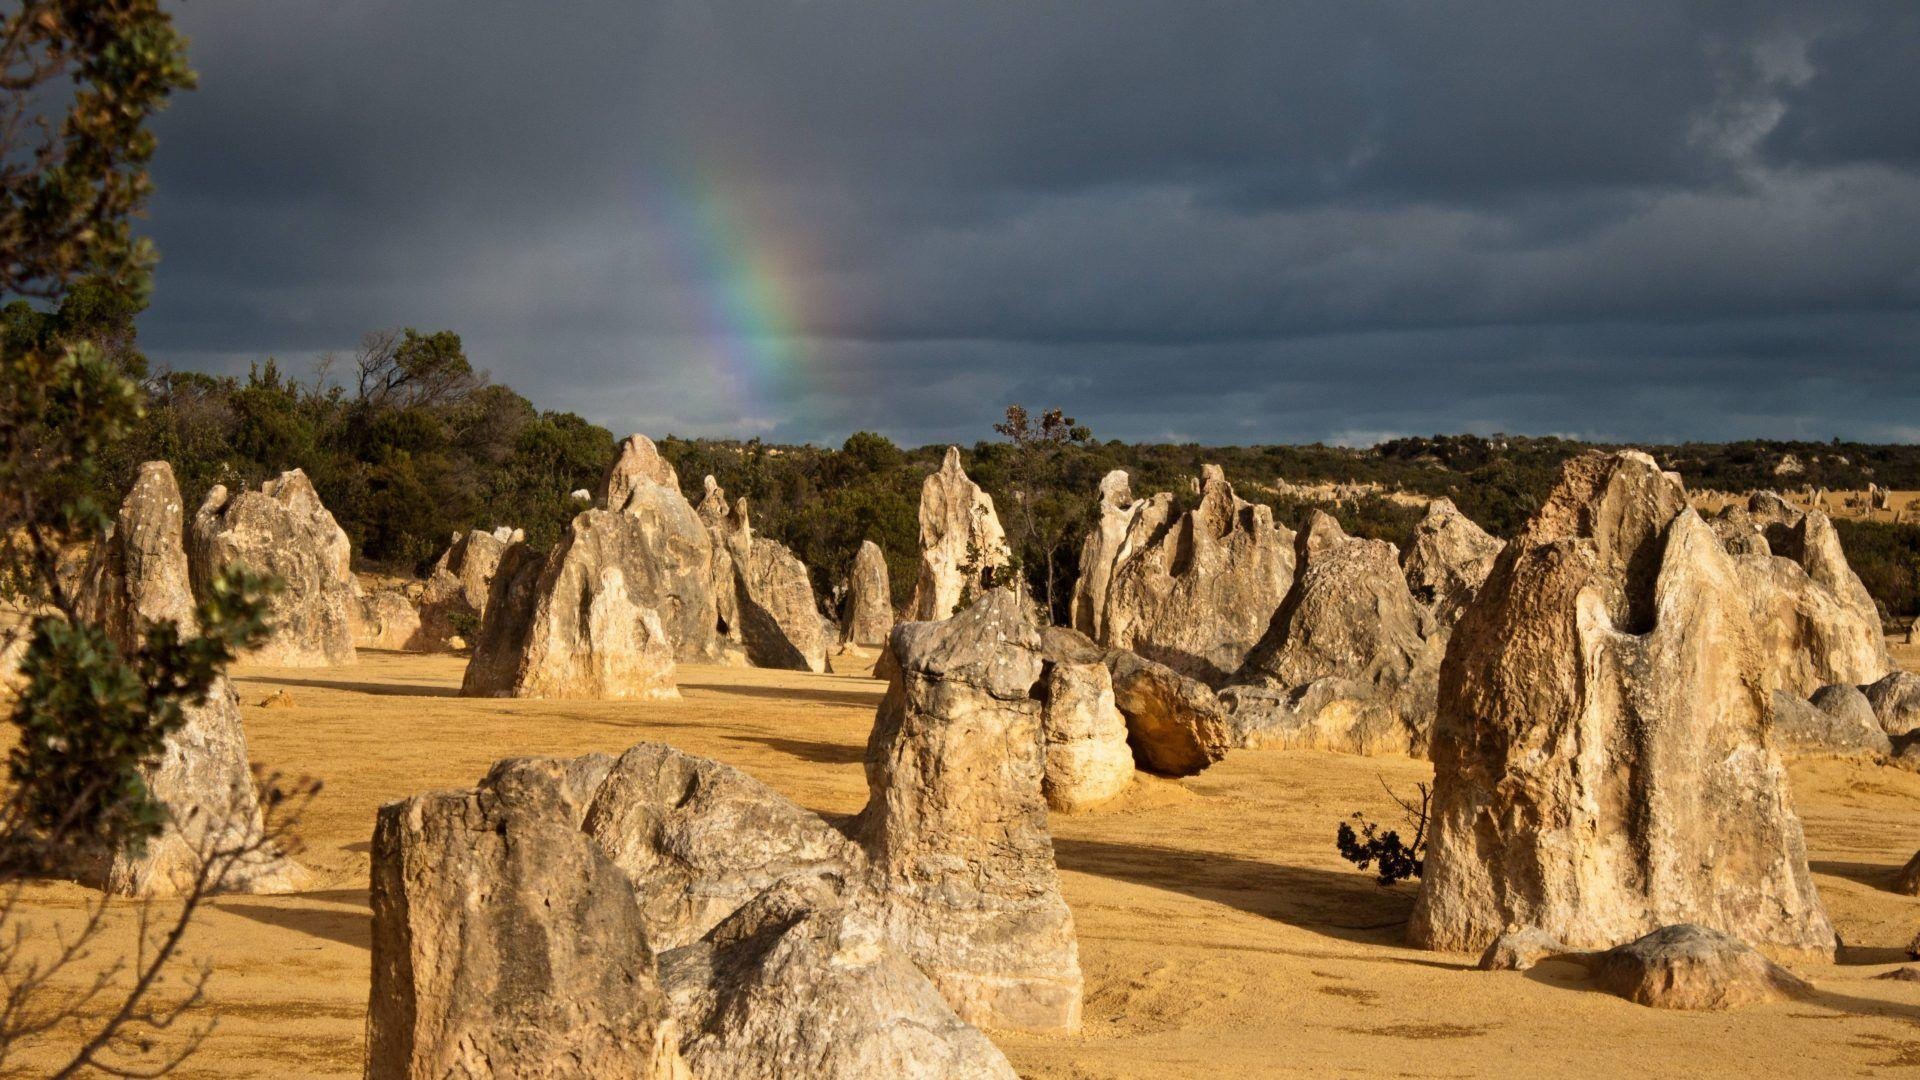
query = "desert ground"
x=1220 y=933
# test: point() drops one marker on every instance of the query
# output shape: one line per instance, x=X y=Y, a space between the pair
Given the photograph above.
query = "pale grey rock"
x=506 y=943
x=1693 y=967
x=664 y=550
x=869 y=612
x=1602 y=765
x=1449 y=558
x=283 y=530
x=1838 y=722
x=955 y=828
x=133 y=580
x=1896 y=703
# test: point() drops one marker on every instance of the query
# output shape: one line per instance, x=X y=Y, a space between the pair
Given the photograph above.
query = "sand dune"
x=1220 y=933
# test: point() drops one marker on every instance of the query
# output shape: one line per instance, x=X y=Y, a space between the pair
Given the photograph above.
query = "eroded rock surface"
x=955 y=828
x=1520 y=950
x=1449 y=558
x=1195 y=594
x=763 y=596
x=388 y=620
x=454 y=602
x=1088 y=760
x=283 y=530
x=869 y=614
x=961 y=541
x=1837 y=721
x=506 y=943
x=664 y=550
x=136 y=578
x=1693 y=967
x=1602 y=765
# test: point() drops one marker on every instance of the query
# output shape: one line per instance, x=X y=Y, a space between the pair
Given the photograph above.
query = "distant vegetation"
x=407 y=443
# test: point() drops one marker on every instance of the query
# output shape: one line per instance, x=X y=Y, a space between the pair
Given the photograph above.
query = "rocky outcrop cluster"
x=961 y=541
x=1195 y=593
x=454 y=602
x=1344 y=664
x=762 y=594
x=135 y=579
x=1602 y=757
x=869 y=612
x=283 y=530
x=1174 y=726
x=1818 y=625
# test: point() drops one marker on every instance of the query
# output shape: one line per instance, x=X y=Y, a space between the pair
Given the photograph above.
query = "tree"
x=90 y=718
x=1046 y=513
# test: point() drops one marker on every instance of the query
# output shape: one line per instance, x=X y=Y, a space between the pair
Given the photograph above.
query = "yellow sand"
x=1220 y=933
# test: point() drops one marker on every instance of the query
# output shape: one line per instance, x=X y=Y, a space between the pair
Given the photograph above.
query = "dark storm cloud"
x=1223 y=222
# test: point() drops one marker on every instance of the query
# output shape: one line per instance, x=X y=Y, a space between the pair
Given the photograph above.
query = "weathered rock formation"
x=869 y=613
x=1088 y=761
x=1449 y=558
x=1818 y=624
x=455 y=600
x=569 y=627
x=1838 y=721
x=955 y=829
x=506 y=943
x=1520 y=950
x=1196 y=594
x=701 y=839
x=802 y=981
x=1693 y=967
x=388 y=619
x=665 y=551
x=1344 y=665
x=961 y=541
x=1896 y=705
x=1175 y=726
x=1602 y=765
x=135 y=579
x=283 y=530
x=763 y=597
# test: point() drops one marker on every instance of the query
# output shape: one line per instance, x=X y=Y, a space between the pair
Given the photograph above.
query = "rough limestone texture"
x=1196 y=594
x=763 y=597
x=1601 y=757
x=1344 y=665
x=700 y=839
x=136 y=578
x=666 y=552
x=1449 y=558
x=1837 y=722
x=1088 y=759
x=388 y=620
x=961 y=541
x=506 y=943
x=1896 y=703
x=1693 y=967
x=1520 y=950
x=283 y=530
x=570 y=627
x=1818 y=624
x=869 y=614
x=801 y=981
x=955 y=828
x=455 y=600
x=1175 y=726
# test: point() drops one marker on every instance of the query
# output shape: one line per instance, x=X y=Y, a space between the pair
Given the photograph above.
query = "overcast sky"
x=1220 y=222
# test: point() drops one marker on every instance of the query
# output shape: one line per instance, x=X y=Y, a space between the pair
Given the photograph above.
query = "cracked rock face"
x=136 y=578
x=961 y=541
x=1602 y=762
x=1194 y=593
x=283 y=530
x=955 y=828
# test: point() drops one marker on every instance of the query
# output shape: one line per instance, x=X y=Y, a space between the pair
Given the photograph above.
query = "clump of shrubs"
x=1391 y=858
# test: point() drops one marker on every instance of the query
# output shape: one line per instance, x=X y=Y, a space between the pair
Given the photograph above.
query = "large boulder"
x=1174 y=725
x=700 y=839
x=961 y=541
x=1344 y=665
x=1449 y=558
x=1601 y=756
x=1817 y=622
x=869 y=614
x=283 y=530
x=1196 y=594
x=135 y=579
x=573 y=628
x=389 y=619
x=801 y=981
x=1838 y=721
x=1895 y=700
x=1693 y=967
x=506 y=943
x=763 y=596
x=955 y=828
x=454 y=602
x=1088 y=761
x=665 y=552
